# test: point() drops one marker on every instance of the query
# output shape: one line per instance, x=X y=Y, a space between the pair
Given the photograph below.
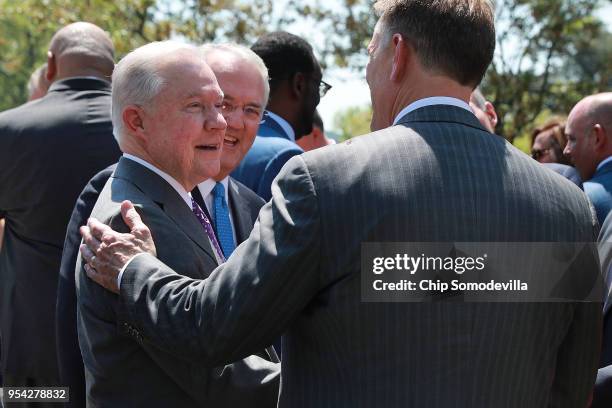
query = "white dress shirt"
x=434 y=100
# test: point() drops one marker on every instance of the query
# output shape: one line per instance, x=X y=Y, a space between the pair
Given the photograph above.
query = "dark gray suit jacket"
x=121 y=370
x=49 y=149
x=436 y=177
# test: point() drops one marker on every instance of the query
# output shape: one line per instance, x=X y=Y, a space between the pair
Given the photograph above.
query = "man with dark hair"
x=295 y=90
x=50 y=148
x=430 y=173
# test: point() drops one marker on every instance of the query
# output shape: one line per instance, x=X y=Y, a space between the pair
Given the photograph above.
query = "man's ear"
x=600 y=138
x=401 y=54
x=490 y=111
x=51 y=66
x=133 y=120
x=298 y=84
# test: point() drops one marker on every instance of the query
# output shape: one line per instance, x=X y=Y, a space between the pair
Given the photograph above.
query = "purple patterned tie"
x=207 y=227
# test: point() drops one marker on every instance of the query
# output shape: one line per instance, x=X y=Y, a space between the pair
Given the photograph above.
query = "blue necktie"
x=222 y=221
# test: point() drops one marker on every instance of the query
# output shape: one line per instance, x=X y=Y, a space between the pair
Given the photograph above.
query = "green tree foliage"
x=26 y=27
x=346 y=27
x=353 y=121
x=550 y=54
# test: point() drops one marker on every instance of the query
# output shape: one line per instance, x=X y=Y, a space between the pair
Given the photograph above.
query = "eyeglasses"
x=538 y=153
x=324 y=87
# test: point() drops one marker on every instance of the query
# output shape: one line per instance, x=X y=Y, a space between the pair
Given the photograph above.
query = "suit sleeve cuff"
x=124 y=267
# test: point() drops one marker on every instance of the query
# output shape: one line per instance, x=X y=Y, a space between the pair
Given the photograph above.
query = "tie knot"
x=219 y=190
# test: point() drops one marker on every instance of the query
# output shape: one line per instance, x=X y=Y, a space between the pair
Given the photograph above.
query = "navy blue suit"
x=270 y=151
x=599 y=191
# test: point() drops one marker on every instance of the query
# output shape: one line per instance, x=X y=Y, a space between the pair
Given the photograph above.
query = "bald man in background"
x=589 y=146
x=51 y=147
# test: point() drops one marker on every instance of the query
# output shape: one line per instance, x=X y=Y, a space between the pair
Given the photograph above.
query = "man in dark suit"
x=51 y=147
x=243 y=107
x=172 y=137
x=428 y=173
x=589 y=146
x=295 y=83
x=70 y=362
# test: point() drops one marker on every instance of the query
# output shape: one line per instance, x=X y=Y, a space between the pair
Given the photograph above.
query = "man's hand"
x=106 y=251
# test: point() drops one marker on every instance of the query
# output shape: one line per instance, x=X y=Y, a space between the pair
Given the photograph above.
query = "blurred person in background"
x=38 y=85
x=316 y=138
x=484 y=110
x=549 y=140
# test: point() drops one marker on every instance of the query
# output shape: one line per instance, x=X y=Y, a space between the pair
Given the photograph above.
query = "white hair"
x=136 y=79
x=247 y=55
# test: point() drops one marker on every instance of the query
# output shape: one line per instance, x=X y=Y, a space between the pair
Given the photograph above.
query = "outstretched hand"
x=106 y=251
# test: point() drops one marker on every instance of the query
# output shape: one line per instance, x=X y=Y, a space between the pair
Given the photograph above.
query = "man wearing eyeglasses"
x=296 y=87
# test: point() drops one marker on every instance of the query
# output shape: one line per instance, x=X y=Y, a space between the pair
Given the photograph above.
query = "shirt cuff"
x=125 y=266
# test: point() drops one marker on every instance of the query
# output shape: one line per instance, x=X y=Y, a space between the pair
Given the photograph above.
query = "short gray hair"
x=136 y=79
x=246 y=54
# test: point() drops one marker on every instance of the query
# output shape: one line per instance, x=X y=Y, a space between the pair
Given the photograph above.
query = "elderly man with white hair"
x=167 y=112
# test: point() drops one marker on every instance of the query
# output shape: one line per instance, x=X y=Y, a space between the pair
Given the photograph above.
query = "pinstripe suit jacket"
x=436 y=176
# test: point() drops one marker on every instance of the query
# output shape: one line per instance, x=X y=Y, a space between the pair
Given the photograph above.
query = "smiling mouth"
x=209 y=147
x=229 y=141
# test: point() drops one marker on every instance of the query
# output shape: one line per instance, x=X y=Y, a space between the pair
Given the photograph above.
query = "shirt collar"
x=283 y=124
x=603 y=163
x=434 y=100
x=206 y=187
x=185 y=195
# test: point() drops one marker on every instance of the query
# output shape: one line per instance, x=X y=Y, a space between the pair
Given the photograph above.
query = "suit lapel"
x=241 y=213
x=156 y=188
